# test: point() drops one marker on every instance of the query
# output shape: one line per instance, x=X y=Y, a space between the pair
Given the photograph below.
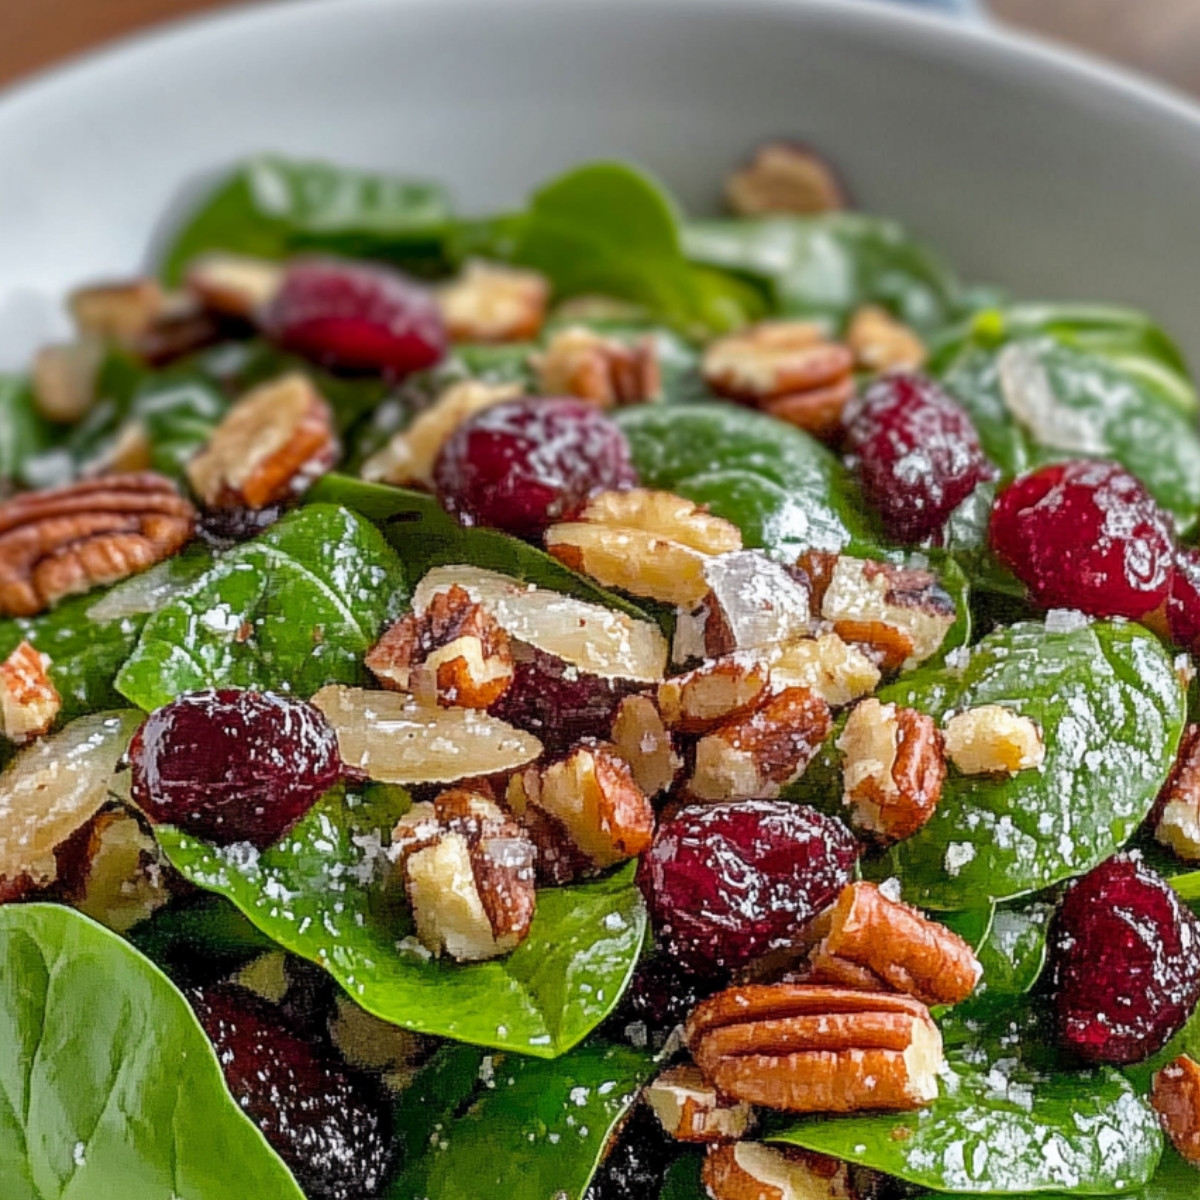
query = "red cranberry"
x=727 y=883
x=1183 y=605
x=233 y=766
x=328 y=1125
x=1085 y=535
x=916 y=454
x=523 y=465
x=636 y=1161
x=1126 y=963
x=356 y=316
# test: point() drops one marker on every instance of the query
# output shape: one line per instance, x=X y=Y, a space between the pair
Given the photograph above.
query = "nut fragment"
x=892 y=769
x=897 y=945
x=64 y=379
x=993 y=740
x=121 y=311
x=454 y=653
x=71 y=539
x=129 y=453
x=490 y=303
x=755 y=757
x=275 y=442
x=722 y=690
x=234 y=285
x=835 y=670
x=581 y=362
x=690 y=1110
x=1177 y=815
x=1176 y=1099
x=754 y=1171
x=784 y=177
x=409 y=457
x=881 y=343
x=807 y=1048
x=29 y=701
x=645 y=743
x=468 y=872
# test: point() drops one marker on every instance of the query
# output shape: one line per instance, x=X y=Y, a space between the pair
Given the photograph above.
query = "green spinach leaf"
x=24 y=435
x=682 y=1181
x=108 y=1086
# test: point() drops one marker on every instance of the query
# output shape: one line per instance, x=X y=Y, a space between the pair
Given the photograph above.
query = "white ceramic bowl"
x=1043 y=171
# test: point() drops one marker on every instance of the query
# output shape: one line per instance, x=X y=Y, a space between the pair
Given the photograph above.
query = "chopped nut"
x=754 y=1171
x=784 y=178
x=234 y=285
x=881 y=343
x=836 y=671
x=29 y=701
x=453 y=654
x=1176 y=1099
x=65 y=540
x=490 y=303
x=898 y=946
x=722 y=690
x=580 y=362
x=759 y=755
x=122 y=311
x=409 y=457
x=645 y=743
x=892 y=769
x=64 y=379
x=690 y=1110
x=1177 y=814
x=993 y=740
x=667 y=515
x=129 y=454
x=469 y=874
x=275 y=442
x=807 y=1048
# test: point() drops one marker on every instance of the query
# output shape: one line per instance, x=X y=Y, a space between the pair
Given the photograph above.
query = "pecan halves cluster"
x=71 y=539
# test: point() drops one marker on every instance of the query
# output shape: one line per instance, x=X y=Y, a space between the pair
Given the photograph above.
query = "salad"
x=587 y=703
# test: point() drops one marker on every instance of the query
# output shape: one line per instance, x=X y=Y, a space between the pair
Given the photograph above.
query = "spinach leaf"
x=1012 y=956
x=682 y=1181
x=272 y=207
x=24 y=435
x=325 y=893
x=827 y=266
x=108 y=1086
x=504 y=1125
x=292 y=610
x=783 y=489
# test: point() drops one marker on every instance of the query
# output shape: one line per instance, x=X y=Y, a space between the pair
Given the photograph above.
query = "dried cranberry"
x=660 y=997
x=1085 y=535
x=329 y=1125
x=356 y=316
x=1183 y=604
x=916 y=454
x=636 y=1162
x=727 y=883
x=225 y=527
x=523 y=465
x=233 y=766
x=1126 y=963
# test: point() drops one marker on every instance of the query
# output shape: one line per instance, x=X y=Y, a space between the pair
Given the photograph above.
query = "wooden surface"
x=1161 y=37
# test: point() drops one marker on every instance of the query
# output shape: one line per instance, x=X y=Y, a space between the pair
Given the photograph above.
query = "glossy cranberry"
x=659 y=998
x=356 y=316
x=916 y=454
x=1183 y=604
x=233 y=766
x=728 y=883
x=1125 y=956
x=1085 y=535
x=523 y=465
x=637 y=1162
x=328 y=1125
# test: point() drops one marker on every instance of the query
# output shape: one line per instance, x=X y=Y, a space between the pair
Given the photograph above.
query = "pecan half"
x=490 y=303
x=29 y=701
x=644 y=742
x=837 y=671
x=234 y=285
x=757 y=756
x=1177 y=814
x=71 y=539
x=689 y=1109
x=274 y=443
x=754 y=1171
x=897 y=946
x=993 y=740
x=469 y=875
x=807 y=1048
x=1176 y=1099
x=581 y=362
x=719 y=691
x=892 y=769
x=454 y=653
x=879 y=342
x=784 y=177
x=64 y=379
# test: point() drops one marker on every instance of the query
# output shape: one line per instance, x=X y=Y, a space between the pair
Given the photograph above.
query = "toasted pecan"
x=580 y=362
x=29 y=701
x=1177 y=814
x=1176 y=1098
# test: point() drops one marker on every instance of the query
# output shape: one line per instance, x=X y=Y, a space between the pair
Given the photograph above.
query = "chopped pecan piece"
x=756 y=757
x=784 y=177
x=453 y=654
x=808 y=1048
x=122 y=311
x=879 y=342
x=64 y=379
x=690 y=1110
x=29 y=701
x=580 y=362
x=645 y=743
x=71 y=539
x=897 y=945
x=892 y=769
x=993 y=740
x=754 y=1171
x=130 y=453
x=234 y=285
x=720 y=691
x=1177 y=814
x=835 y=670
x=490 y=303
x=409 y=457
x=469 y=875
x=1176 y=1099
x=274 y=443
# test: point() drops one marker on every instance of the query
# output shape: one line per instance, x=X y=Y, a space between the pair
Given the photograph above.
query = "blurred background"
x=1159 y=37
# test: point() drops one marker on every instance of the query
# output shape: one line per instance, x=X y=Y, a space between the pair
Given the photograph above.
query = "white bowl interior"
x=1030 y=168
